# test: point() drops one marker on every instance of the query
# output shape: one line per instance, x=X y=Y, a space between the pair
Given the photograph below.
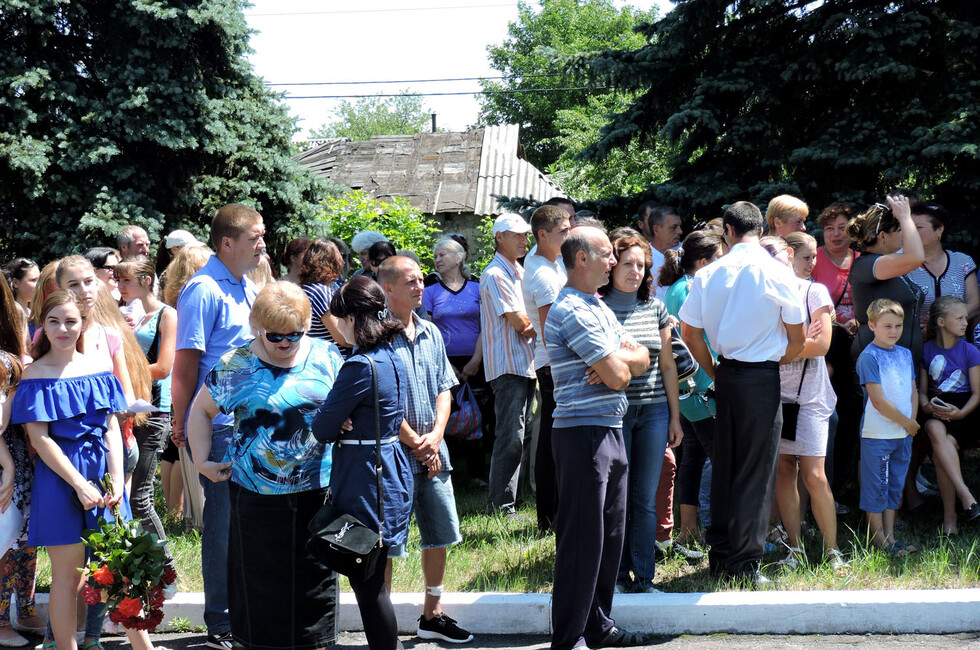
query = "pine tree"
x=134 y=111
x=840 y=99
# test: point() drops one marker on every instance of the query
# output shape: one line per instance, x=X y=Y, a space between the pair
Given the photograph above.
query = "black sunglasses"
x=272 y=337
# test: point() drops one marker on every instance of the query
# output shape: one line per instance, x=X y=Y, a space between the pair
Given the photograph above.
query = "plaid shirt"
x=429 y=375
x=505 y=350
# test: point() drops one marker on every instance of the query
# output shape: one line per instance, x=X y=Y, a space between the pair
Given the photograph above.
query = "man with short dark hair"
x=747 y=304
x=133 y=240
x=507 y=338
x=212 y=318
x=544 y=276
x=430 y=378
x=592 y=361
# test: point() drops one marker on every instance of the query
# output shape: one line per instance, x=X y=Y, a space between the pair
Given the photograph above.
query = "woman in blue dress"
x=363 y=318
x=279 y=596
x=67 y=402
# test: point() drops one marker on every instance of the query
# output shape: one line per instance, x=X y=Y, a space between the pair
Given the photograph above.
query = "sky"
x=317 y=41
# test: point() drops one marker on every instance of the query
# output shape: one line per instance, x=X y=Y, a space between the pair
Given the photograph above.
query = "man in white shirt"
x=746 y=304
x=662 y=228
x=544 y=276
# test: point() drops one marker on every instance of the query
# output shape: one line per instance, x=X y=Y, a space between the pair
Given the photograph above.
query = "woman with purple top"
x=453 y=305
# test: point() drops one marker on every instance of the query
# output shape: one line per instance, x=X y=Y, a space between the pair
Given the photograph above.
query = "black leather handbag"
x=341 y=541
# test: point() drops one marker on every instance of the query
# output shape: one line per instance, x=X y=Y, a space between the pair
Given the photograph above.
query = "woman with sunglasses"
x=279 y=473
x=104 y=261
x=891 y=247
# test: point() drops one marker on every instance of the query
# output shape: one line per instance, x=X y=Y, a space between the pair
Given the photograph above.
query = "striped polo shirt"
x=505 y=350
x=580 y=331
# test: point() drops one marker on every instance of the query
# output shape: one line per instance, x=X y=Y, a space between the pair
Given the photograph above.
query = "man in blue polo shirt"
x=212 y=318
x=592 y=362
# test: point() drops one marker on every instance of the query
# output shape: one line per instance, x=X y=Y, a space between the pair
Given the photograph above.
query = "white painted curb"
x=922 y=611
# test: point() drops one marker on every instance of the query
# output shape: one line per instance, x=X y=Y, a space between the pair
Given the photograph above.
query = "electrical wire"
x=380 y=11
x=412 y=81
x=514 y=91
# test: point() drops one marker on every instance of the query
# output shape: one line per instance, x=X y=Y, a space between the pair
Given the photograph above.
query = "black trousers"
x=546 y=487
x=591 y=467
x=743 y=465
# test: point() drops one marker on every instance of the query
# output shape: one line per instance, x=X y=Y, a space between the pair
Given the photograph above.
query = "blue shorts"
x=884 y=464
x=434 y=506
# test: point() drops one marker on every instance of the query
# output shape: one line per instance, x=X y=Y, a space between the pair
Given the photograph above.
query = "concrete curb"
x=920 y=611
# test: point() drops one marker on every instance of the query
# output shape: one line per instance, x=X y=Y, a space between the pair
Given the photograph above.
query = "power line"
x=474 y=92
x=380 y=11
x=411 y=81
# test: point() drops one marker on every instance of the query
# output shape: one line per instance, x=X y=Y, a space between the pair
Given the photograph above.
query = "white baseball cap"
x=181 y=238
x=510 y=222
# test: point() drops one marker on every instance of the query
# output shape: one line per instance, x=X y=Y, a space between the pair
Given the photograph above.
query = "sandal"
x=48 y=645
x=900 y=549
x=794 y=558
x=95 y=643
x=836 y=559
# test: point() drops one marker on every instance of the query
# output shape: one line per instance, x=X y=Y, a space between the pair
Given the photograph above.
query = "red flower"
x=92 y=596
x=169 y=575
x=104 y=576
x=130 y=607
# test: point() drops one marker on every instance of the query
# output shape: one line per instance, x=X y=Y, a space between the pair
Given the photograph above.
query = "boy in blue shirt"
x=887 y=374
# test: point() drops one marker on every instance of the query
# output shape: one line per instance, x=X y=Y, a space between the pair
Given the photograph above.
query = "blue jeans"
x=214 y=539
x=513 y=397
x=645 y=437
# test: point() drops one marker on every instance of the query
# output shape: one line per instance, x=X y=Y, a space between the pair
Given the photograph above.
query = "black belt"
x=735 y=363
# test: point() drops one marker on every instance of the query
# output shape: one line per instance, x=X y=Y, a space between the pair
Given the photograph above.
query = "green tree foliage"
x=625 y=171
x=405 y=226
x=530 y=59
x=135 y=111
x=827 y=100
x=368 y=116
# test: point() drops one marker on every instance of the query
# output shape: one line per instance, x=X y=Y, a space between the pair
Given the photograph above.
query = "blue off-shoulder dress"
x=353 y=482
x=75 y=409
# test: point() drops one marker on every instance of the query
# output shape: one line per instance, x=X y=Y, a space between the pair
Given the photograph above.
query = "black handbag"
x=342 y=542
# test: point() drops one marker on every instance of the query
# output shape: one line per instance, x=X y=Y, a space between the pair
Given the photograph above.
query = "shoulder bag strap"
x=847 y=281
x=378 y=470
x=809 y=316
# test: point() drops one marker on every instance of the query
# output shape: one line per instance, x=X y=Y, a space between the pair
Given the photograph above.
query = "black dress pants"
x=743 y=464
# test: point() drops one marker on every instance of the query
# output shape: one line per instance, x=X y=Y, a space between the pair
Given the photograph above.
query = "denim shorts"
x=434 y=506
x=884 y=464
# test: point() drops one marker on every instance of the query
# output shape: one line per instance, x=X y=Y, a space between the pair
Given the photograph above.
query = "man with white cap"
x=508 y=358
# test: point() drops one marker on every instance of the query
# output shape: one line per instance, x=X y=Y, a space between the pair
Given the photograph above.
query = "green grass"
x=498 y=554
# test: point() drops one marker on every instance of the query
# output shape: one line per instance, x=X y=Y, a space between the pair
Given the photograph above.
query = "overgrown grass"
x=501 y=554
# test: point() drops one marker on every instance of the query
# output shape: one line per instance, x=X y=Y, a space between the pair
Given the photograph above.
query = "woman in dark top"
x=363 y=318
x=881 y=233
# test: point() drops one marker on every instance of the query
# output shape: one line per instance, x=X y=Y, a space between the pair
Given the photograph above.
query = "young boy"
x=888 y=375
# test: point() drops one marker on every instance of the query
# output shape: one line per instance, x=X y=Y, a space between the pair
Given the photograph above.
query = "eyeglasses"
x=273 y=337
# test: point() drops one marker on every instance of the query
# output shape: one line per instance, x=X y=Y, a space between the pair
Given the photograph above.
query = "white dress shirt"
x=741 y=302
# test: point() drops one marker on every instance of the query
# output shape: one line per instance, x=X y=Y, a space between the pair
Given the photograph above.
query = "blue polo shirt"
x=580 y=331
x=212 y=317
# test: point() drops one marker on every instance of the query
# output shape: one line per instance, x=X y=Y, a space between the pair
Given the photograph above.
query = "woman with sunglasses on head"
x=104 y=261
x=943 y=272
x=279 y=595
x=891 y=247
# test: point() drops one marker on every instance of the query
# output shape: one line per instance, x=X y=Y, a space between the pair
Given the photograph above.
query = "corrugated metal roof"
x=436 y=172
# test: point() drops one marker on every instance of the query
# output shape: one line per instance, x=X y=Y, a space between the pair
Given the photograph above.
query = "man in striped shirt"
x=508 y=339
x=592 y=362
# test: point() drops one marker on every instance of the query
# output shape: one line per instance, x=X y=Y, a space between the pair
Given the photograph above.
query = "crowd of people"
x=763 y=374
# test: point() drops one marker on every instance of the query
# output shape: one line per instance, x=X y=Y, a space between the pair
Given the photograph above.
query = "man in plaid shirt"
x=430 y=378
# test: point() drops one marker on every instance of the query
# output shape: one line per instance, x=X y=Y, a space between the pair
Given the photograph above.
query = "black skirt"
x=279 y=596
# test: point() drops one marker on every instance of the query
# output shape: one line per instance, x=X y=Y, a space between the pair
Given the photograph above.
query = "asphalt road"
x=747 y=642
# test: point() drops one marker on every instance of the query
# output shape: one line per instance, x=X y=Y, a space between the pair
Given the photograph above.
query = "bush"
x=404 y=225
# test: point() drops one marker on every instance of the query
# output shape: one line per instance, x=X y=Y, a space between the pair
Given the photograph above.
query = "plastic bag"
x=465 y=421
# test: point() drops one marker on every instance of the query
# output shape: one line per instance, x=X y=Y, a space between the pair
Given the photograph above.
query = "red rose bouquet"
x=128 y=571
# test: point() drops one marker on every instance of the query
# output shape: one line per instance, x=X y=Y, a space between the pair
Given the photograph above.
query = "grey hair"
x=456 y=249
x=125 y=236
x=365 y=239
x=578 y=240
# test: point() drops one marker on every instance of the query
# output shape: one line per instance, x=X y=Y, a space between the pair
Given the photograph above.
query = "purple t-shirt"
x=456 y=314
x=949 y=370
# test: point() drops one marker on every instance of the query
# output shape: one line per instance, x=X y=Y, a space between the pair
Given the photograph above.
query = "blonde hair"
x=883 y=306
x=46 y=284
x=798 y=240
x=940 y=308
x=281 y=307
x=188 y=261
x=783 y=207
x=262 y=275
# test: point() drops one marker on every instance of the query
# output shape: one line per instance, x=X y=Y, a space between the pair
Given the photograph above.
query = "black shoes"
x=618 y=638
x=443 y=628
